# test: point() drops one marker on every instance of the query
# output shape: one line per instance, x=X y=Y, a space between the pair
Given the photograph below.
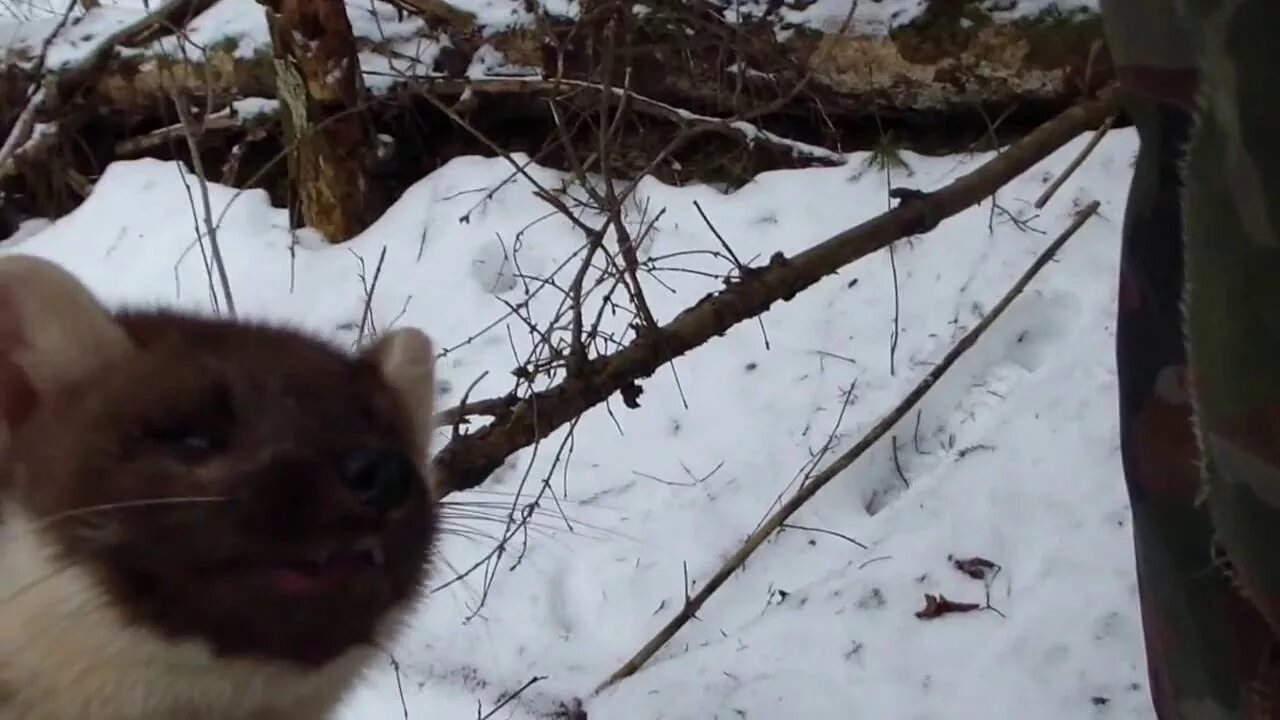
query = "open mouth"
x=325 y=568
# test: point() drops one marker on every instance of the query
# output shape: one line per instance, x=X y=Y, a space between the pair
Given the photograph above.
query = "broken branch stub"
x=318 y=85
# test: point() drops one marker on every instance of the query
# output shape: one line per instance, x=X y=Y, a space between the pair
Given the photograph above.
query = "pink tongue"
x=300 y=581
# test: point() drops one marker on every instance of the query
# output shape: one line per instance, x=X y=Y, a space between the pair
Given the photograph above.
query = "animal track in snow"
x=560 y=596
x=494 y=268
x=945 y=426
x=1045 y=320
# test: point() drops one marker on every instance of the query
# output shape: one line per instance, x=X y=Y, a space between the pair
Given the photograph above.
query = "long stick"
x=468 y=460
x=1075 y=163
x=776 y=520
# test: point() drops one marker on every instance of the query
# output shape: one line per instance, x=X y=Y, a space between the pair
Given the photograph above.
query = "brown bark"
x=318 y=84
x=467 y=460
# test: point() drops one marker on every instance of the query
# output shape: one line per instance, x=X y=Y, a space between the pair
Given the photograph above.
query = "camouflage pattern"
x=1206 y=505
x=1147 y=34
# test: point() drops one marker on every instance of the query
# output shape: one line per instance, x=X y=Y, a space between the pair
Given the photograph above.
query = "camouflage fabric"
x=1206 y=515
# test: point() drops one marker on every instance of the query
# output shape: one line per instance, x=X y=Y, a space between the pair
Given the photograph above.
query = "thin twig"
x=737 y=264
x=191 y=130
x=466 y=395
x=366 y=313
x=511 y=698
x=823 y=531
x=1075 y=164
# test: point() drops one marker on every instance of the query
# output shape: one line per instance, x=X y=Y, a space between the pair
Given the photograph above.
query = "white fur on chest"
x=66 y=654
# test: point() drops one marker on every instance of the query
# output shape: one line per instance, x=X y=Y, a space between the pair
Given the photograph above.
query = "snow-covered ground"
x=1013 y=457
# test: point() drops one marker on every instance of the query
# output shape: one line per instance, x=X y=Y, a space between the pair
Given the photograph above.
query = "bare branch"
x=468 y=460
x=1075 y=163
x=160 y=137
x=366 y=312
x=211 y=230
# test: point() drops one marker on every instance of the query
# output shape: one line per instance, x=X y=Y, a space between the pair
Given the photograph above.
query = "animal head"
x=242 y=486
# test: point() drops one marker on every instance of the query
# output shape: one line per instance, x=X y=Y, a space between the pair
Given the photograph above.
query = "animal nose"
x=379 y=478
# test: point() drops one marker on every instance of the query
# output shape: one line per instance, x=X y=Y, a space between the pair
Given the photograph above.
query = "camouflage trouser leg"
x=1185 y=603
x=1233 y=313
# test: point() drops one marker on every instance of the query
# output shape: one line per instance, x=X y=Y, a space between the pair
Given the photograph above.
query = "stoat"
x=200 y=519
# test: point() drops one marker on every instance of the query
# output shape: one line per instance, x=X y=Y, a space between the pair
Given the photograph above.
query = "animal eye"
x=190 y=442
x=197 y=432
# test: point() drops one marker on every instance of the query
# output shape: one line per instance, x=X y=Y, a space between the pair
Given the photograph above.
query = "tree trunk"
x=318 y=84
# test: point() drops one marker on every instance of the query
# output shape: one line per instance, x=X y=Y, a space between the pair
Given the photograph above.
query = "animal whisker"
x=505 y=512
x=534 y=529
x=498 y=517
x=510 y=494
x=88 y=510
x=462 y=581
x=466 y=534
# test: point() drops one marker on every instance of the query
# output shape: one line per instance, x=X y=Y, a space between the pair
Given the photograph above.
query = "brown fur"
x=167 y=486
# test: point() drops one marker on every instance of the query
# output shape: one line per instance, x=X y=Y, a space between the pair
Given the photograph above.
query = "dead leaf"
x=935 y=606
x=977 y=568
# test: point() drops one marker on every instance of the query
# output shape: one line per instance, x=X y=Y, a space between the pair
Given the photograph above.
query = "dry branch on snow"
x=467 y=460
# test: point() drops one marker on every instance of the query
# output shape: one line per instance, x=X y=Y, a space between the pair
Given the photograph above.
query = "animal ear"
x=52 y=332
x=406 y=358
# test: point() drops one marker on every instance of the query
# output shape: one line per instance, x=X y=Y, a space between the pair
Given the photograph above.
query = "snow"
x=240 y=26
x=251 y=108
x=76 y=38
x=1013 y=456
